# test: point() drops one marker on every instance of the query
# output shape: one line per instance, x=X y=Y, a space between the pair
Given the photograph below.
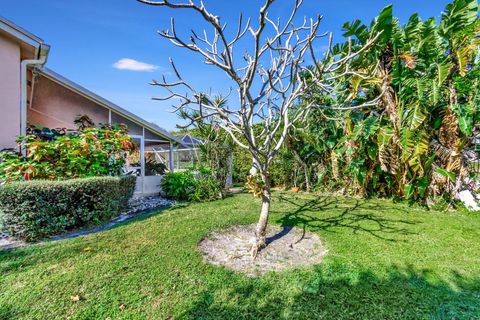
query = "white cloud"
x=134 y=65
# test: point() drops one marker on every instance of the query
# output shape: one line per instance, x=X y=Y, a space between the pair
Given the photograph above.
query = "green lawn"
x=385 y=261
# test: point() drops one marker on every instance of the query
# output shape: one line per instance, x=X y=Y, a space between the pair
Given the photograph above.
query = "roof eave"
x=20 y=33
x=108 y=104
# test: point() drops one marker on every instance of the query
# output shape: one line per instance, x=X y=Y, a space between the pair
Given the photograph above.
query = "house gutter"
x=42 y=55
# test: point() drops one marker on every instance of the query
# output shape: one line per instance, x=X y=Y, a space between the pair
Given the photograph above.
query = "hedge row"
x=37 y=209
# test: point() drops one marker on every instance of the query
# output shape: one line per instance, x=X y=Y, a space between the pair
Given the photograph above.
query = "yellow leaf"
x=87 y=249
x=409 y=59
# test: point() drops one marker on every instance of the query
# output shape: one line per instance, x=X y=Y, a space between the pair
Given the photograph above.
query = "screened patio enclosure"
x=153 y=158
x=148 y=167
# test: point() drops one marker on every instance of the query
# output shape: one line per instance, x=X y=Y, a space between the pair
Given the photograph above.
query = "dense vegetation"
x=194 y=184
x=385 y=261
x=66 y=180
x=400 y=118
x=398 y=121
x=57 y=154
x=34 y=210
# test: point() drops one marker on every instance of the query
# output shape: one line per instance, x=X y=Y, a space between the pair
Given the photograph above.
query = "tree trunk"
x=261 y=230
x=305 y=169
x=307 y=178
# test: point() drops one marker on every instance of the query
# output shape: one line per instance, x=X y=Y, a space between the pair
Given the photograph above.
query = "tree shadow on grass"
x=6 y=312
x=401 y=294
x=329 y=214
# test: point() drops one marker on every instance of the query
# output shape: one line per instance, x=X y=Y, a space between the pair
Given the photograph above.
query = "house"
x=30 y=93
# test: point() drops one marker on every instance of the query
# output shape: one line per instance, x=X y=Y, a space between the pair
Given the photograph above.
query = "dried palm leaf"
x=449 y=131
x=389 y=159
x=409 y=59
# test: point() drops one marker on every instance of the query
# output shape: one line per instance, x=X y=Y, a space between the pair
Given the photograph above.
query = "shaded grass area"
x=385 y=261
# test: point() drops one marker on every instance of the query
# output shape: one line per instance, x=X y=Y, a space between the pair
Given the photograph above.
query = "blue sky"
x=89 y=36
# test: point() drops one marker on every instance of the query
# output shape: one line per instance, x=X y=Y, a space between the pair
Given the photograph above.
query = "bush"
x=178 y=185
x=191 y=186
x=206 y=189
x=37 y=209
x=88 y=153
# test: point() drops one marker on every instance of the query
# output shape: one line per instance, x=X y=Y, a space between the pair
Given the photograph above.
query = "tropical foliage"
x=398 y=119
x=216 y=148
x=194 y=184
x=57 y=154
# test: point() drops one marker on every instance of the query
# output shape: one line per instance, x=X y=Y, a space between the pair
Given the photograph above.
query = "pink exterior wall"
x=55 y=106
x=133 y=128
x=153 y=136
x=9 y=92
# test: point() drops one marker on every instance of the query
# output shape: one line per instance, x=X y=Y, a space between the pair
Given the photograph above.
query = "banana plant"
x=424 y=78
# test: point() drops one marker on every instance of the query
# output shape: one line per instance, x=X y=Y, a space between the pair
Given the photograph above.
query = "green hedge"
x=37 y=209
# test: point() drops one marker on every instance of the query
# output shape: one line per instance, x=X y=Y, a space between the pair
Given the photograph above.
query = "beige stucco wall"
x=55 y=106
x=9 y=92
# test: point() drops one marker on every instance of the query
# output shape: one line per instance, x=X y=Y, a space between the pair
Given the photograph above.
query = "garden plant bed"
x=138 y=205
x=287 y=248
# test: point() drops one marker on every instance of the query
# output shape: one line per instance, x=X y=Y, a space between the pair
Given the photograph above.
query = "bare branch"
x=275 y=64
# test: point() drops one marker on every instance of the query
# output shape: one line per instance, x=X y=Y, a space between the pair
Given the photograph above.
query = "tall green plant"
x=88 y=153
x=423 y=78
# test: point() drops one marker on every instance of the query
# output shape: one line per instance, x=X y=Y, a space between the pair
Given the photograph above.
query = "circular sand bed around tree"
x=287 y=248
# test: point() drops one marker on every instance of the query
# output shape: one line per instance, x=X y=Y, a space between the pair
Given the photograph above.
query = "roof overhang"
x=52 y=75
x=41 y=50
x=24 y=37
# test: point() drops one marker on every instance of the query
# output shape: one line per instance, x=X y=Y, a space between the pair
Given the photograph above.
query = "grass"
x=385 y=261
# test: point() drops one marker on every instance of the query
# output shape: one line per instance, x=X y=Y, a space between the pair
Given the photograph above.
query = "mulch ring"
x=287 y=248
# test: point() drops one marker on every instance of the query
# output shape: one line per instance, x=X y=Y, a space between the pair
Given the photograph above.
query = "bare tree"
x=269 y=81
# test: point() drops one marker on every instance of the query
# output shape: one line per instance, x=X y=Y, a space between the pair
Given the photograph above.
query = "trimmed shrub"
x=37 y=209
